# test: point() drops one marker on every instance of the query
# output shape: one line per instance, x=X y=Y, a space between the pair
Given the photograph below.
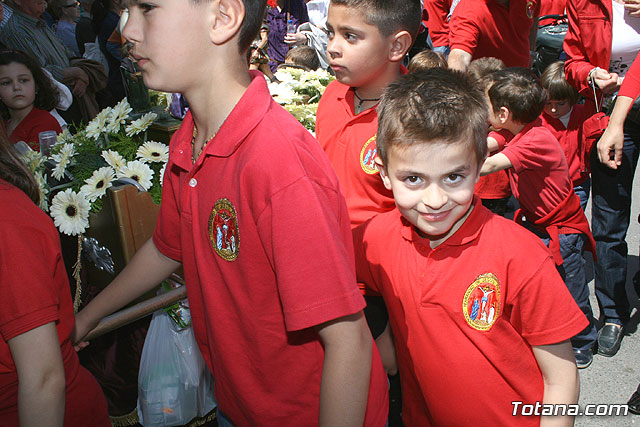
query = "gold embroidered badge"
x=223 y=230
x=530 y=9
x=368 y=156
x=481 y=303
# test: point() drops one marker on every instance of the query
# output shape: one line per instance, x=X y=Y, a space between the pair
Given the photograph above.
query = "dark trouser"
x=611 y=206
x=572 y=272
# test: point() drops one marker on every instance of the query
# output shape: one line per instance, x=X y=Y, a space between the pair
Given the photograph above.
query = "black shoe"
x=609 y=339
x=583 y=358
x=634 y=403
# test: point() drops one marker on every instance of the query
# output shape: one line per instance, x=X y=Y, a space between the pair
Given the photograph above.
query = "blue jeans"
x=611 y=207
x=572 y=272
x=582 y=190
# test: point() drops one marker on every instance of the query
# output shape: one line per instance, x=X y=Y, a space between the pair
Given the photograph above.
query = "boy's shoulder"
x=334 y=92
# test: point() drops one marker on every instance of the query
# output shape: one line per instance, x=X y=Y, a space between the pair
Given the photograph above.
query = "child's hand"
x=80 y=330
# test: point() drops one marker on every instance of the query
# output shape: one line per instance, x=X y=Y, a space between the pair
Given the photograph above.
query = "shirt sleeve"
x=631 y=84
x=463 y=32
x=27 y=270
x=530 y=153
x=366 y=281
x=306 y=230
x=543 y=311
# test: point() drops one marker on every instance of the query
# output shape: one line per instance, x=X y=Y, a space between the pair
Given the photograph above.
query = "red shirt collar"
x=245 y=116
x=468 y=232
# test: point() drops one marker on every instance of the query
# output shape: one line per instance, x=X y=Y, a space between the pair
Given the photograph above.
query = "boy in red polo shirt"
x=564 y=119
x=476 y=305
x=504 y=29
x=253 y=212
x=539 y=179
x=367 y=41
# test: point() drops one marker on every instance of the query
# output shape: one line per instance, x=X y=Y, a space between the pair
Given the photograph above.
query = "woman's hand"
x=607 y=82
x=295 y=38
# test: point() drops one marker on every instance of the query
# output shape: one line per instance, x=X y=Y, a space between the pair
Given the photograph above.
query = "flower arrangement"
x=83 y=166
x=299 y=92
x=86 y=164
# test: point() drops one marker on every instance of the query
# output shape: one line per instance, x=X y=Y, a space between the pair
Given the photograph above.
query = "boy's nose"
x=434 y=197
x=332 y=50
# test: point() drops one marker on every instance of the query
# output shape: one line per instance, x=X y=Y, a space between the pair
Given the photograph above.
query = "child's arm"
x=492 y=144
x=387 y=351
x=560 y=376
x=495 y=163
x=144 y=272
x=346 y=371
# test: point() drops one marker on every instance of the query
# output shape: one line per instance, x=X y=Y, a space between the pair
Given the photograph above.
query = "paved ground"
x=613 y=380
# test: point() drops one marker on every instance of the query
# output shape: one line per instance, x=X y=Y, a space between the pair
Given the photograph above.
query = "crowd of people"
x=434 y=225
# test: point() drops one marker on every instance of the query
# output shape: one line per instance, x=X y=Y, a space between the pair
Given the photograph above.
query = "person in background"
x=304 y=57
x=427 y=59
x=602 y=41
x=313 y=33
x=84 y=26
x=26 y=96
x=41 y=380
x=283 y=18
x=68 y=12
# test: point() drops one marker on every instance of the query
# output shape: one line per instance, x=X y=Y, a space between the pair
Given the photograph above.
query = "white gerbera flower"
x=114 y=159
x=33 y=159
x=64 y=136
x=96 y=186
x=137 y=171
x=70 y=212
x=152 y=151
x=118 y=116
x=141 y=124
x=63 y=159
x=97 y=126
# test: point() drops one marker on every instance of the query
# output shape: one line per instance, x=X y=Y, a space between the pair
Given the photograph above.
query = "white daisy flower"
x=33 y=159
x=137 y=171
x=141 y=124
x=114 y=159
x=63 y=159
x=152 y=151
x=118 y=116
x=70 y=212
x=64 y=136
x=97 y=126
x=96 y=186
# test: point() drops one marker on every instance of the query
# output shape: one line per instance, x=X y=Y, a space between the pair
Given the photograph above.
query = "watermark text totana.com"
x=539 y=409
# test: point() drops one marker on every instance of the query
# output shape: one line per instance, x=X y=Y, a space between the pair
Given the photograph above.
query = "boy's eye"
x=412 y=179
x=146 y=7
x=350 y=37
x=330 y=33
x=454 y=178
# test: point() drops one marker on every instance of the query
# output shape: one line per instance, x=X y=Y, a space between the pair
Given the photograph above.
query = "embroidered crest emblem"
x=368 y=156
x=223 y=230
x=530 y=9
x=481 y=304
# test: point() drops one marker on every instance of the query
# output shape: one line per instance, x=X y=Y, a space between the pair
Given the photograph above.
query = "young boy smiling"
x=476 y=305
x=253 y=212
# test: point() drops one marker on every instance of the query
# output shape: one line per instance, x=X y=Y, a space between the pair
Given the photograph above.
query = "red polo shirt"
x=465 y=315
x=262 y=230
x=35 y=122
x=350 y=143
x=437 y=23
x=486 y=28
x=571 y=141
x=539 y=177
x=34 y=291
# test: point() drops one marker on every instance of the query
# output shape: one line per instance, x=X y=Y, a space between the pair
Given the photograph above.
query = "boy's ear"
x=383 y=173
x=400 y=44
x=504 y=115
x=226 y=20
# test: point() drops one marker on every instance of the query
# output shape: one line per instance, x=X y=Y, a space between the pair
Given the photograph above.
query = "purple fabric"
x=277 y=21
x=179 y=106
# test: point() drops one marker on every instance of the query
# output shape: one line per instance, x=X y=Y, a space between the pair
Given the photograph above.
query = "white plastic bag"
x=92 y=51
x=174 y=383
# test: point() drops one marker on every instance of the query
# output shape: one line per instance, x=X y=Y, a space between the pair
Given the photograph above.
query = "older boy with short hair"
x=477 y=307
x=539 y=179
x=253 y=211
x=367 y=41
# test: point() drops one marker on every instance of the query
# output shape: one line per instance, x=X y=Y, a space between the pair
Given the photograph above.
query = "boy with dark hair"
x=494 y=189
x=367 y=41
x=264 y=239
x=539 y=178
x=304 y=57
x=475 y=302
x=564 y=119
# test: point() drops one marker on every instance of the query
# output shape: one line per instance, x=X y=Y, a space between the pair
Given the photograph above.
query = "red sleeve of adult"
x=463 y=32
x=631 y=84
